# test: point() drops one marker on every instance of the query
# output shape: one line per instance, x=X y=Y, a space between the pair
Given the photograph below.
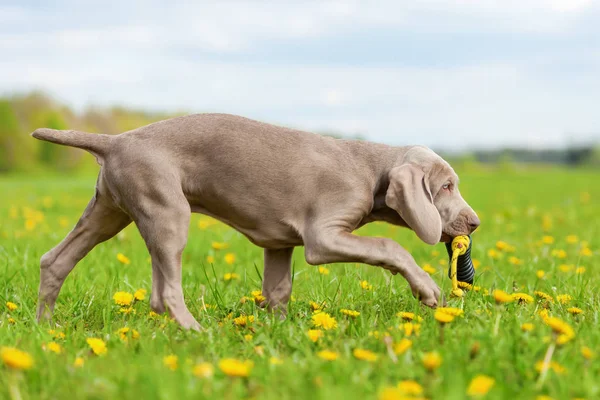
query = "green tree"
x=14 y=151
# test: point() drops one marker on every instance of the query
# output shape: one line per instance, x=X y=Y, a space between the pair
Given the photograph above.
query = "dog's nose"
x=474 y=222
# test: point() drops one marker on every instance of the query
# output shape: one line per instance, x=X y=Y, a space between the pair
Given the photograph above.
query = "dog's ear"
x=409 y=194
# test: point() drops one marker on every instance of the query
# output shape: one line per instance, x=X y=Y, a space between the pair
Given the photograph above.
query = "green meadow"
x=539 y=238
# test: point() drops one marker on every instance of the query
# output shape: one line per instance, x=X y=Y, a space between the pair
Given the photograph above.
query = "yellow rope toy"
x=460 y=244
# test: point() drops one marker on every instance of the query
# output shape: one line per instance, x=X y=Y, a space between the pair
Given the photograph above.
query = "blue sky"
x=449 y=74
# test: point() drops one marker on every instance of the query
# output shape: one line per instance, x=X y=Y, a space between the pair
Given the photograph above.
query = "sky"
x=453 y=75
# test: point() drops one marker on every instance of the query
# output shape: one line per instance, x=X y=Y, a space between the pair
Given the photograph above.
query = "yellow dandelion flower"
x=365 y=355
x=455 y=312
x=432 y=361
x=553 y=365
x=123 y=259
x=564 y=330
x=15 y=358
x=229 y=258
x=410 y=329
x=11 y=306
x=514 y=260
x=492 y=253
x=402 y=346
x=572 y=239
x=140 y=294
x=275 y=361
x=543 y=313
x=324 y=320
x=547 y=239
x=575 y=310
x=153 y=315
x=435 y=253
x=566 y=267
x=237 y=368
x=503 y=246
x=97 y=345
x=410 y=388
x=126 y=333
x=366 y=285
x=480 y=385
x=580 y=270
x=210 y=259
x=323 y=271
x=314 y=334
x=543 y=397
x=429 y=269
x=442 y=317
x=393 y=393
x=586 y=251
x=543 y=296
x=123 y=298
x=502 y=297
x=316 y=306
x=476 y=263
x=443 y=262
x=540 y=273
x=259 y=350
x=11 y=321
x=522 y=298
x=558 y=253
x=171 y=361
x=587 y=353
x=527 y=327
x=231 y=276
x=248 y=337
x=328 y=355
x=219 y=245
x=53 y=347
x=409 y=316
x=350 y=313
x=127 y=310
x=243 y=320
x=203 y=370
x=564 y=298
x=258 y=297
x=78 y=363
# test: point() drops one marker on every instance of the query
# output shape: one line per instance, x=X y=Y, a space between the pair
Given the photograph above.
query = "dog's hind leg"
x=100 y=221
x=277 y=280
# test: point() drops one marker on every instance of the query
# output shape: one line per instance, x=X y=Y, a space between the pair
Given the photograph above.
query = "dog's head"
x=423 y=190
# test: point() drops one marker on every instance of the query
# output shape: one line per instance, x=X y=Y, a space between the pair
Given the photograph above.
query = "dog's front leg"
x=277 y=280
x=324 y=246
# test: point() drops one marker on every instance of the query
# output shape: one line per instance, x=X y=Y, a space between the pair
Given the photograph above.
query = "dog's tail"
x=97 y=144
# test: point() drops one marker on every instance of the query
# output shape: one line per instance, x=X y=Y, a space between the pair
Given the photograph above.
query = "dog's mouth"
x=446 y=238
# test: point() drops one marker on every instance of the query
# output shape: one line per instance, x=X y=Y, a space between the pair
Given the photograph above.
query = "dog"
x=280 y=187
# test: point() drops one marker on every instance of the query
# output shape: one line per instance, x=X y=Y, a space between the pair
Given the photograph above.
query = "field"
x=539 y=237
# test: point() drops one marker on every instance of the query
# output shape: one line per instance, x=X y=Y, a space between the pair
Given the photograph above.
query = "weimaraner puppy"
x=279 y=187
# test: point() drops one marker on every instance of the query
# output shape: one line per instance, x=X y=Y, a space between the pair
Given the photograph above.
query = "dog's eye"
x=446 y=186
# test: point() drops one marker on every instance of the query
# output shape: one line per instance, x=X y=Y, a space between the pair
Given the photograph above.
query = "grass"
x=518 y=208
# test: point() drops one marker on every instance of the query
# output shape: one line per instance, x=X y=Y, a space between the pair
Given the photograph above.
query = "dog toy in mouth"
x=461 y=265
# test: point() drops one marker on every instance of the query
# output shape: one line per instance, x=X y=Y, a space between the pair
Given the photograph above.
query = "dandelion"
x=53 y=347
x=553 y=365
x=123 y=259
x=11 y=306
x=432 y=361
x=328 y=355
x=527 y=327
x=171 y=361
x=564 y=331
x=140 y=294
x=522 y=298
x=586 y=252
x=231 y=276
x=314 y=306
x=455 y=312
x=514 y=260
x=540 y=273
x=559 y=253
x=575 y=310
x=153 y=315
x=503 y=246
x=410 y=388
x=547 y=239
x=365 y=355
x=566 y=267
x=324 y=320
x=587 y=353
x=78 y=363
x=210 y=259
x=502 y=297
x=580 y=270
x=237 y=368
x=350 y=313
x=229 y=258
x=243 y=320
x=564 y=298
x=275 y=361
x=572 y=239
x=366 y=285
x=402 y=346
x=97 y=345
x=544 y=296
x=203 y=370
x=248 y=337
x=480 y=385
x=126 y=333
x=127 y=310
x=314 y=334
x=442 y=317
x=411 y=328
x=429 y=269
x=219 y=245
x=408 y=316
x=15 y=358
x=123 y=298
x=323 y=271
x=11 y=321
x=476 y=263
x=258 y=297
